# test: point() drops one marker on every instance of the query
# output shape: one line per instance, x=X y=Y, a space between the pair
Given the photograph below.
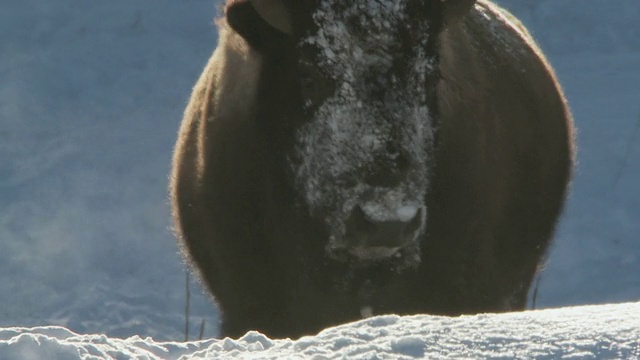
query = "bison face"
x=362 y=160
x=362 y=154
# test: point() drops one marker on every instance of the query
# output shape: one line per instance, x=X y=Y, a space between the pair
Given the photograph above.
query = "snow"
x=588 y=332
x=91 y=94
x=406 y=213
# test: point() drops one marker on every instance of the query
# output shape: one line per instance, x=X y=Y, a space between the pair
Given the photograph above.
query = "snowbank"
x=601 y=332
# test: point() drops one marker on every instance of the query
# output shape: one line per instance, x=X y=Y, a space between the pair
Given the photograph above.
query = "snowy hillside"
x=597 y=332
x=91 y=94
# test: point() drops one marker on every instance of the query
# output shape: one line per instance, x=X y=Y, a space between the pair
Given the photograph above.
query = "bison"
x=343 y=158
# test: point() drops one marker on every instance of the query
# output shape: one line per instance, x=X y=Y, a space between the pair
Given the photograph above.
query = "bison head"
x=365 y=76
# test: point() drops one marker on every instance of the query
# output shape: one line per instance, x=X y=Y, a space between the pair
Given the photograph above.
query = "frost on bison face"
x=363 y=160
x=396 y=156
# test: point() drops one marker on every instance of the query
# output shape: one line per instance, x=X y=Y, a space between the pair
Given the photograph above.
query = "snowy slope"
x=91 y=94
x=596 y=332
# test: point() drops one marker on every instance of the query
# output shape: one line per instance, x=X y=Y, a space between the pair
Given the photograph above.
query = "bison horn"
x=456 y=9
x=274 y=13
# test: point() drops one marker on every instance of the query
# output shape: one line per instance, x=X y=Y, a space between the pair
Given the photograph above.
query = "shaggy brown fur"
x=502 y=163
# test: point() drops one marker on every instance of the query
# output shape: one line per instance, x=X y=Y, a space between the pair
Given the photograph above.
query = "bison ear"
x=455 y=10
x=243 y=17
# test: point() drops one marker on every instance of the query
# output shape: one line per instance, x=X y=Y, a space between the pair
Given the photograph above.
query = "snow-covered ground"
x=593 y=332
x=91 y=94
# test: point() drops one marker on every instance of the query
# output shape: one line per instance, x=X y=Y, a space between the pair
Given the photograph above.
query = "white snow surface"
x=587 y=332
x=91 y=95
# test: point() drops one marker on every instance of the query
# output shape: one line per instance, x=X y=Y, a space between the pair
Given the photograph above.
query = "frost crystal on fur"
x=359 y=45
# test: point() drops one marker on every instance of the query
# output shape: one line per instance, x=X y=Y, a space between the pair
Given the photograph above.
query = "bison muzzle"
x=400 y=156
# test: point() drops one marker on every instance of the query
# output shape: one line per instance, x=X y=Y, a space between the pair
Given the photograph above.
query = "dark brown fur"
x=502 y=164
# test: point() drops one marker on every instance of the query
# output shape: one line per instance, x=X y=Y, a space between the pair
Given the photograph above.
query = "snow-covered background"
x=91 y=95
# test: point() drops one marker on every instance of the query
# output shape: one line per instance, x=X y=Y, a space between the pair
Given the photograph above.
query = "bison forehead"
x=357 y=41
x=363 y=33
x=347 y=29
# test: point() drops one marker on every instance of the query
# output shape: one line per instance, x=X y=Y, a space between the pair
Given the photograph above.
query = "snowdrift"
x=597 y=332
